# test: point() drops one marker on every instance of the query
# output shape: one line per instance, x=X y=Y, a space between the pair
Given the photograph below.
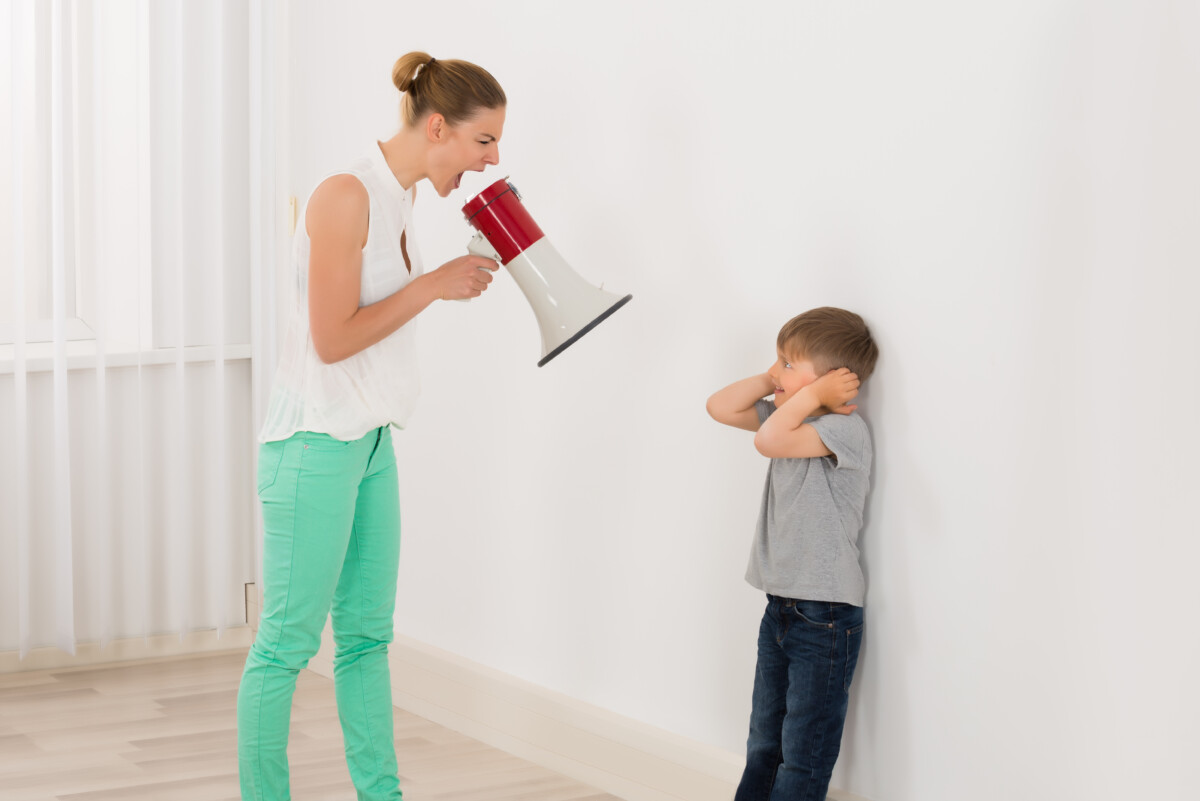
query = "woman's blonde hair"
x=455 y=89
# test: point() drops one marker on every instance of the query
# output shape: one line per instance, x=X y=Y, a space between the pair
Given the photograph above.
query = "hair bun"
x=456 y=89
x=405 y=71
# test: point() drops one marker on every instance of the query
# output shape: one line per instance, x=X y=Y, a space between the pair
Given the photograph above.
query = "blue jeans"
x=807 y=652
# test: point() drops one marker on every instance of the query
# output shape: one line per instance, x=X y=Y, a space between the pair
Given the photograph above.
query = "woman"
x=347 y=372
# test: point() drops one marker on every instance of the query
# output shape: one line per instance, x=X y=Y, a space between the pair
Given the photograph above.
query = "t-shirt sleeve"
x=846 y=436
x=764 y=408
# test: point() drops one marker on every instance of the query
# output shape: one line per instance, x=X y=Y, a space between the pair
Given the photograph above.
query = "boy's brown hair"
x=830 y=338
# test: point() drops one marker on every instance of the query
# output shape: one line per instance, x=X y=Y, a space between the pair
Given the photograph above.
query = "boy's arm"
x=734 y=405
x=785 y=435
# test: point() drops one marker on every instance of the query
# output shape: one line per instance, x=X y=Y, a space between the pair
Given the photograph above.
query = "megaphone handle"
x=479 y=246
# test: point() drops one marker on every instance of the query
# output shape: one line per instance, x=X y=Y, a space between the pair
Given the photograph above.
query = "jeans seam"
x=846 y=676
x=781 y=629
x=819 y=738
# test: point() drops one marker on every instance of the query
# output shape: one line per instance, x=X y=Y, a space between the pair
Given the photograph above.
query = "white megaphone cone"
x=566 y=306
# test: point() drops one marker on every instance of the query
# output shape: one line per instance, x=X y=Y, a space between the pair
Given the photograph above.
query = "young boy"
x=805 y=553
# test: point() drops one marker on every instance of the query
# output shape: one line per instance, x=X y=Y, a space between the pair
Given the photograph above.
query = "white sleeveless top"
x=378 y=385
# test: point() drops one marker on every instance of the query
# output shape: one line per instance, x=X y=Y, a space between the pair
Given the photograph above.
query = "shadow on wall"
x=867 y=734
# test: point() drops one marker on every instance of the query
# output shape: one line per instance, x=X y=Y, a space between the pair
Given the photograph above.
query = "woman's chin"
x=452 y=183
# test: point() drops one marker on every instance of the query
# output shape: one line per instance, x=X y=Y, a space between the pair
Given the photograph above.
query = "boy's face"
x=790 y=376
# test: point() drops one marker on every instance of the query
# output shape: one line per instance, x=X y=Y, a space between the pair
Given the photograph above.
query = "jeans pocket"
x=853 y=646
x=814 y=613
x=270 y=457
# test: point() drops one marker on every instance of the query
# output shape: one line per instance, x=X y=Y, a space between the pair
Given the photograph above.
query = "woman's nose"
x=493 y=155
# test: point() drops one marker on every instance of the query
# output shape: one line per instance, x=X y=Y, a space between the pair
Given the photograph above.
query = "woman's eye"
x=787 y=365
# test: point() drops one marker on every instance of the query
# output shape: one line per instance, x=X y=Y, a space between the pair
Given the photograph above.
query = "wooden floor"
x=166 y=731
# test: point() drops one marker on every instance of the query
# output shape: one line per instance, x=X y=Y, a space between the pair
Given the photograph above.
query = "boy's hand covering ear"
x=836 y=389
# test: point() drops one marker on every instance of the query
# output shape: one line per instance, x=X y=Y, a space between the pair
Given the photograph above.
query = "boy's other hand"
x=836 y=389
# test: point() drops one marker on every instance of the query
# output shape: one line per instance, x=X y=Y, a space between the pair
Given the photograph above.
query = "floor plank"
x=166 y=731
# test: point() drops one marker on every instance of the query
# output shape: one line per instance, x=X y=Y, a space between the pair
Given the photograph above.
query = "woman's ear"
x=436 y=128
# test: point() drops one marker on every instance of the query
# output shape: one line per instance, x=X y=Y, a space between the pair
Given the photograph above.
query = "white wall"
x=1006 y=192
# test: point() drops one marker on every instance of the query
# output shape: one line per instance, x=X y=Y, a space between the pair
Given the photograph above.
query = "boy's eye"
x=787 y=365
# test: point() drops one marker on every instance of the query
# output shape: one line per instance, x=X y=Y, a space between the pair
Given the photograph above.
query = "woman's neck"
x=404 y=158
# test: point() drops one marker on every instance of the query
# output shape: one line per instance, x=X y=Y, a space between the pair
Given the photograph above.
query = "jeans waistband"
x=779 y=599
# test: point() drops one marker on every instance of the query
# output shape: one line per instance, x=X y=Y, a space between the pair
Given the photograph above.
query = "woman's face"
x=473 y=144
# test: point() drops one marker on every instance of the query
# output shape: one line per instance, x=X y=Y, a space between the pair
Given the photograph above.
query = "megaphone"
x=566 y=306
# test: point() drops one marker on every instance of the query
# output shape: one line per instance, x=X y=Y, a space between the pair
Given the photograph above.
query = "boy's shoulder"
x=849 y=438
x=852 y=422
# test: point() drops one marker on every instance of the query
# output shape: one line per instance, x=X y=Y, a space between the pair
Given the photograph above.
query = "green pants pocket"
x=270 y=456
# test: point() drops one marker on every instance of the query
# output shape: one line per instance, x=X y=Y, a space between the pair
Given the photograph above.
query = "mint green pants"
x=331 y=519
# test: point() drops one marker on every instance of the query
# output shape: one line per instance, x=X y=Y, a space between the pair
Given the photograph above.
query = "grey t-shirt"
x=806 y=543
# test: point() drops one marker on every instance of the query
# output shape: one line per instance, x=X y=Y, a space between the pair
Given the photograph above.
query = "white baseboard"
x=135 y=649
x=622 y=756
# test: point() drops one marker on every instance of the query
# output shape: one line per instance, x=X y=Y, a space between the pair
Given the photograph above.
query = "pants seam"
x=258 y=750
x=362 y=631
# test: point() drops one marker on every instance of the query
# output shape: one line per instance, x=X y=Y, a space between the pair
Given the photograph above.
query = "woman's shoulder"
x=339 y=202
x=339 y=188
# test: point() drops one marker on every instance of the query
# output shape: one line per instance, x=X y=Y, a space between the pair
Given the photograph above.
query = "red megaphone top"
x=497 y=213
